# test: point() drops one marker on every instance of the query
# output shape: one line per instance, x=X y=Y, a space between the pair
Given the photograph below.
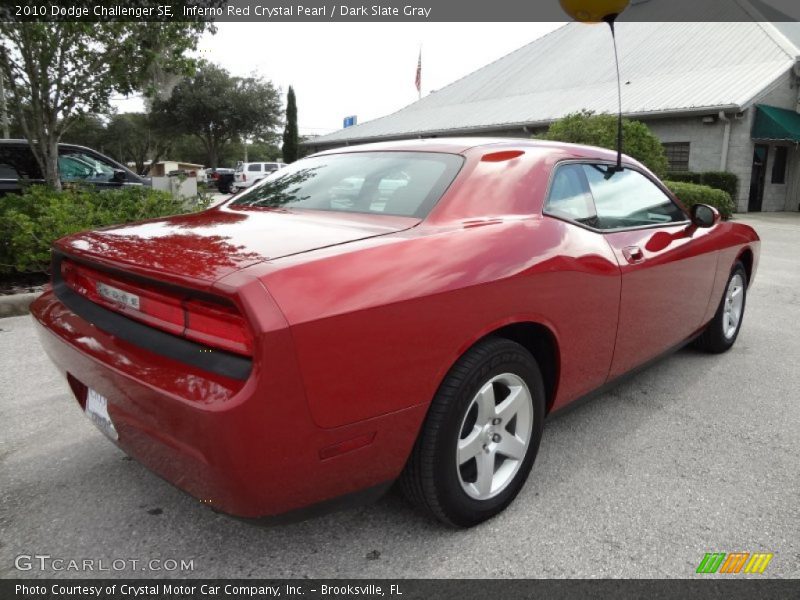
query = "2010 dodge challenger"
x=407 y=310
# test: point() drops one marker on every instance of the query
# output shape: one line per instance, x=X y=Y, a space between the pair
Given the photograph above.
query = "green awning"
x=777 y=124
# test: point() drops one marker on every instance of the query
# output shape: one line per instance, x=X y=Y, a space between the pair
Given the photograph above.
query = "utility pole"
x=3 y=108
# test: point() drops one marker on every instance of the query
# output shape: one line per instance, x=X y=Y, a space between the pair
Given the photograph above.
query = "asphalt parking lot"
x=697 y=454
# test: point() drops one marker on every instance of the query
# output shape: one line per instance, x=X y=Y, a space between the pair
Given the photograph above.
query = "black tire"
x=431 y=479
x=714 y=338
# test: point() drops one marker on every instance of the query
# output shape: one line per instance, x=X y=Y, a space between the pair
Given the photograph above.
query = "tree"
x=58 y=71
x=218 y=108
x=137 y=138
x=585 y=127
x=87 y=130
x=291 y=139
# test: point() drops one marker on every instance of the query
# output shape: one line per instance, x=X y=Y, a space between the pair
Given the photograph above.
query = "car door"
x=76 y=165
x=585 y=300
x=666 y=268
x=254 y=173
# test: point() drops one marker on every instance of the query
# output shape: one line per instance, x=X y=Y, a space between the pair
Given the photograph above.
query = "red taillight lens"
x=216 y=325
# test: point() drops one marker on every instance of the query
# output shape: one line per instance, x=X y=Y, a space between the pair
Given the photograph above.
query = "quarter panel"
x=376 y=330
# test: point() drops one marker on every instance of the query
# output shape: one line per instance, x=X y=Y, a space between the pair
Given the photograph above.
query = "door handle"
x=633 y=254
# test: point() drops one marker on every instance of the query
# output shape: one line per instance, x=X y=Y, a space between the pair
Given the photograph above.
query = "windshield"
x=404 y=184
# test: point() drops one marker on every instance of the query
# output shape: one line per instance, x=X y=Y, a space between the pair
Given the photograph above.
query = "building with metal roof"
x=698 y=86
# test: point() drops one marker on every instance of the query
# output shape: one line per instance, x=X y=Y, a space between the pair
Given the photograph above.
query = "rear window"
x=404 y=184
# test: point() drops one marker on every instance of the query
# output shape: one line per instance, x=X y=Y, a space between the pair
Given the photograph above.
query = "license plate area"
x=97 y=411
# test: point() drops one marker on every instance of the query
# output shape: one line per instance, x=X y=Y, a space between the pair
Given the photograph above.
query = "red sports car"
x=409 y=310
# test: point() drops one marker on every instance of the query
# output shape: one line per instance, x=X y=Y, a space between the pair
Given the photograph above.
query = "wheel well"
x=747 y=260
x=539 y=341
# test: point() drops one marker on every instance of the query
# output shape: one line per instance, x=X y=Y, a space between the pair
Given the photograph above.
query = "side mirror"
x=120 y=176
x=704 y=215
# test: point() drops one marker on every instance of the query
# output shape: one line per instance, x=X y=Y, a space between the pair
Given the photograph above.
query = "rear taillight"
x=218 y=325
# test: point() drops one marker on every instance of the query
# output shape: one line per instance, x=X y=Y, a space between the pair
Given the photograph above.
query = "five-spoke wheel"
x=720 y=334
x=480 y=437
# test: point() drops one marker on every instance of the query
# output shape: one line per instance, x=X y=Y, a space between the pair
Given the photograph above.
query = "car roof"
x=462 y=145
x=21 y=142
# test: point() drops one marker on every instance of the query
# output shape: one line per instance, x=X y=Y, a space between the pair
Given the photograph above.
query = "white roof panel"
x=665 y=68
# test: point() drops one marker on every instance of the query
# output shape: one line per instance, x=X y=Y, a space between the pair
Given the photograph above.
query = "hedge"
x=721 y=180
x=691 y=194
x=32 y=221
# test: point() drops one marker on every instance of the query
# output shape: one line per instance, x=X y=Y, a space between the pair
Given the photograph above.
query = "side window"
x=570 y=197
x=74 y=165
x=254 y=167
x=18 y=163
x=629 y=199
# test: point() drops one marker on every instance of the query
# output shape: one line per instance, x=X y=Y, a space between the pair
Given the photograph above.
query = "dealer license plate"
x=97 y=411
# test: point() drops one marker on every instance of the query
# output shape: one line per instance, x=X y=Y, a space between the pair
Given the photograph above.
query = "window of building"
x=677 y=155
x=779 y=164
x=629 y=199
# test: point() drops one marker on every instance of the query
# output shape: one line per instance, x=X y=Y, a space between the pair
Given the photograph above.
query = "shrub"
x=721 y=180
x=691 y=194
x=638 y=141
x=685 y=176
x=32 y=221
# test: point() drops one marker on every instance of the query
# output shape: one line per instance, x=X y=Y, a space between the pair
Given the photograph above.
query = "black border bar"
x=734 y=588
x=475 y=11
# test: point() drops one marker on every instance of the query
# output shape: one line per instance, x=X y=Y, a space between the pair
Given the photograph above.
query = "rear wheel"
x=722 y=331
x=481 y=435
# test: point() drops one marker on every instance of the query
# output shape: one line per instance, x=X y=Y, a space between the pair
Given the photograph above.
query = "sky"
x=362 y=69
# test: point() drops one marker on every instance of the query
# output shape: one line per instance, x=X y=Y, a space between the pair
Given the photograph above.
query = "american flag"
x=418 y=79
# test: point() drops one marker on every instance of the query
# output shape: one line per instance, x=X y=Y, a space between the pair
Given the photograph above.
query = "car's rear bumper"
x=248 y=448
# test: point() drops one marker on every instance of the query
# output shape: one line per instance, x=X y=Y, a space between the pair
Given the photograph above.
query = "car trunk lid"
x=202 y=248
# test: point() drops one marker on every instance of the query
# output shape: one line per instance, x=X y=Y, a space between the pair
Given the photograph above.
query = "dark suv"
x=75 y=164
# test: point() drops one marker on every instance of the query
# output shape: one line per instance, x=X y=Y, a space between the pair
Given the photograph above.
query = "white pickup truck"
x=248 y=173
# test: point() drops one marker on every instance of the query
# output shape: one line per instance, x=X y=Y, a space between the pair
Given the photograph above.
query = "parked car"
x=252 y=172
x=223 y=179
x=409 y=310
x=75 y=164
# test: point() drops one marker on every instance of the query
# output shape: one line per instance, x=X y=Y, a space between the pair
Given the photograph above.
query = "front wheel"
x=721 y=333
x=480 y=437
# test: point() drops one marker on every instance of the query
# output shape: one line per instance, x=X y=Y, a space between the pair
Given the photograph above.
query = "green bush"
x=585 y=127
x=691 y=194
x=721 y=180
x=685 y=177
x=32 y=221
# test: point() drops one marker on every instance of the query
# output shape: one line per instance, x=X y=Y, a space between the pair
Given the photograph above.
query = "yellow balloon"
x=593 y=11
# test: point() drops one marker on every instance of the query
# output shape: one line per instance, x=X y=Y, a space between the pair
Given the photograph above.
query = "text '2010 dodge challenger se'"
x=406 y=310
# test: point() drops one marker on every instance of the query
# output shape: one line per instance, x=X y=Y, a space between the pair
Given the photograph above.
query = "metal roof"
x=666 y=68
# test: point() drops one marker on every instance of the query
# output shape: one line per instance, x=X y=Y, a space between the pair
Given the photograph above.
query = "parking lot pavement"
x=697 y=454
